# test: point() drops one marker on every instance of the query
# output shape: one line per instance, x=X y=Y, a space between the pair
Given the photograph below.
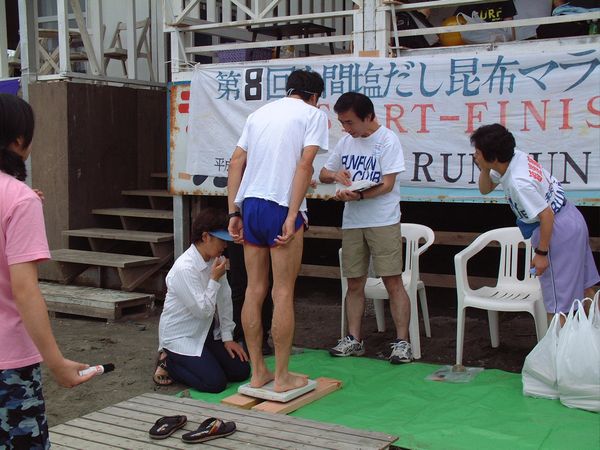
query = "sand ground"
x=131 y=345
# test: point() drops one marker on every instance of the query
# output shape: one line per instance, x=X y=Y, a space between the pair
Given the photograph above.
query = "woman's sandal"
x=166 y=426
x=161 y=379
x=211 y=428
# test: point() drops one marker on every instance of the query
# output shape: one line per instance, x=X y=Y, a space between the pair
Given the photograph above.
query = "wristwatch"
x=361 y=195
x=234 y=214
x=537 y=251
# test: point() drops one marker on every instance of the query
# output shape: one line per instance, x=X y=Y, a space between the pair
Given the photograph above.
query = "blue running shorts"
x=263 y=220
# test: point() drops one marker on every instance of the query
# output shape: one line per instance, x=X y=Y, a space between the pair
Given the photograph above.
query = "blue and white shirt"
x=529 y=188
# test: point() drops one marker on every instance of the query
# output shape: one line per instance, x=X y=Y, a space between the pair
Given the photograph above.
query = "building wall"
x=49 y=157
x=91 y=142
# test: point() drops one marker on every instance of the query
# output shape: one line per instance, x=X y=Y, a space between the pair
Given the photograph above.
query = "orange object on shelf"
x=453 y=38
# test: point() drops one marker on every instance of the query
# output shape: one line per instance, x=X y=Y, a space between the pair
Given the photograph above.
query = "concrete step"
x=120 y=235
x=147 y=193
x=102 y=259
x=95 y=302
x=135 y=212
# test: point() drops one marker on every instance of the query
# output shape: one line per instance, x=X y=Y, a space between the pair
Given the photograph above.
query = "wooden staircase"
x=93 y=302
x=135 y=251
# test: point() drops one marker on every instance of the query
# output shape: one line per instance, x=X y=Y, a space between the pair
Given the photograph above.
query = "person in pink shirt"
x=25 y=334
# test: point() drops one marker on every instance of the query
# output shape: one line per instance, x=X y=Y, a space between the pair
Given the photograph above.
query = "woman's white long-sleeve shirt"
x=192 y=300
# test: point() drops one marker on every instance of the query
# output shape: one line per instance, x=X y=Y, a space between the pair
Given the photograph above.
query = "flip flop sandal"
x=161 y=379
x=212 y=428
x=166 y=426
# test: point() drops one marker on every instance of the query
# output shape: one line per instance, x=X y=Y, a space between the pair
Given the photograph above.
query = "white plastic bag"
x=578 y=359
x=483 y=36
x=539 y=369
x=596 y=307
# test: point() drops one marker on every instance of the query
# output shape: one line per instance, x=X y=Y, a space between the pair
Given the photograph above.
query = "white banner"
x=550 y=100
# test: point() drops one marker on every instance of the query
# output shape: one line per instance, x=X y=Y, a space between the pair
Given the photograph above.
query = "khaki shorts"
x=382 y=244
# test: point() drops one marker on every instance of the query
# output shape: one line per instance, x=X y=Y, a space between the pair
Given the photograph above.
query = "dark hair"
x=16 y=121
x=359 y=103
x=305 y=84
x=208 y=219
x=495 y=142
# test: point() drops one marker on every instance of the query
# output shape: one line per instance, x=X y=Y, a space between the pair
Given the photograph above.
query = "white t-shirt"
x=273 y=137
x=529 y=188
x=370 y=158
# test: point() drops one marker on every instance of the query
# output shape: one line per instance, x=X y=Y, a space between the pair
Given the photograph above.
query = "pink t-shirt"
x=22 y=239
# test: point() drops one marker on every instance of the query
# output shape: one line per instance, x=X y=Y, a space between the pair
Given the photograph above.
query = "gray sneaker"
x=401 y=352
x=348 y=347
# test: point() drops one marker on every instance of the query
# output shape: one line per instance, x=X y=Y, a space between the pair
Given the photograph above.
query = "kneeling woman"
x=196 y=327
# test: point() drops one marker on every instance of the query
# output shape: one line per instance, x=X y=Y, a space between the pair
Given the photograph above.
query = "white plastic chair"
x=375 y=289
x=511 y=293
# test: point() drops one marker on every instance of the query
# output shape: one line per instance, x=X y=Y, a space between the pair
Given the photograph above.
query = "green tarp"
x=487 y=413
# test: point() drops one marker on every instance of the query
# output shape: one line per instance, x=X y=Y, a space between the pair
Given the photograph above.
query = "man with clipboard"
x=365 y=164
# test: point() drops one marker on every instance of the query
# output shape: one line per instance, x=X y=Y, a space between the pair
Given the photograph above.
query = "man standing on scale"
x=269 y=174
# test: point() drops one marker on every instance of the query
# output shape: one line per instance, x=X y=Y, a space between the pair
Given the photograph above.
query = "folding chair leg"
x=423 y=300
x=494 y=333
x=379 y=314
x=460 y=333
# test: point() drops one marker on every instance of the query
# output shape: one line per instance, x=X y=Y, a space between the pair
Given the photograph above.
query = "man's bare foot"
x=260 y=378
x=289 y=382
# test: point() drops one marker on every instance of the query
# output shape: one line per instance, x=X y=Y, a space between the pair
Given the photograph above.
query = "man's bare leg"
x=285 y=265
x=399 y=305
x=355 y=305
x=257 y=268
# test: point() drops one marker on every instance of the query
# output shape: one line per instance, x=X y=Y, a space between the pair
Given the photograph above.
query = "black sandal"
x=166 y=426
x=211 y=428
x=161 y=379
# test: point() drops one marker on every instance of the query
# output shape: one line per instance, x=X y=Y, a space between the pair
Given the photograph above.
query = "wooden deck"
x=126 y=425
